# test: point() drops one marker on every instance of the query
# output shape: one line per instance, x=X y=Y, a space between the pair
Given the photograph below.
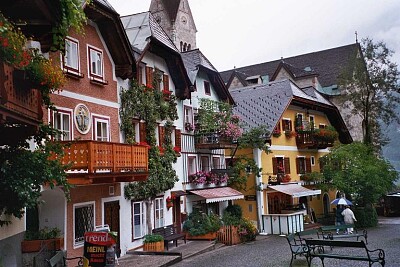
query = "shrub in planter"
x=232 y=215
x=153 y=242
x=35 y=240
x=247 y=230
x=199 y=223
x=152 y=238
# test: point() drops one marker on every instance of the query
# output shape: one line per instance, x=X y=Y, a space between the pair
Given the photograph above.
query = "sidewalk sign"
x=98 y=249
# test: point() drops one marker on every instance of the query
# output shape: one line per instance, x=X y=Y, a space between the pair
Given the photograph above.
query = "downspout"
x=259 y=193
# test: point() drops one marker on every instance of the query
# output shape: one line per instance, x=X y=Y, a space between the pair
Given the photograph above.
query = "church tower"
x=175 y=17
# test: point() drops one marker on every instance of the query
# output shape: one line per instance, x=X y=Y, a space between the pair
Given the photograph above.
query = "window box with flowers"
x=177 y=150
x=170 y=201
x=166 y=94
x=208 y=178
x=290 y=134
x=218 y=126
x=189 y=127
x=276 y=133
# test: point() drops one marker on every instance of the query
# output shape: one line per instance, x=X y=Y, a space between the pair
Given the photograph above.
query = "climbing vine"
x=148 y=104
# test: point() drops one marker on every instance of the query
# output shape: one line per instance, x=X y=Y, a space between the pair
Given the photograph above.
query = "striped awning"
x=295 y=190
x=218 y=194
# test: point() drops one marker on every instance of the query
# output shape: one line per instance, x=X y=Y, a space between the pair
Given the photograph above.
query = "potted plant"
x=153 y=242
x=202 y=226
x=35 y=240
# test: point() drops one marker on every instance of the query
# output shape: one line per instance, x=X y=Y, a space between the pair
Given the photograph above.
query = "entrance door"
x=111 y=217
x=177 y=219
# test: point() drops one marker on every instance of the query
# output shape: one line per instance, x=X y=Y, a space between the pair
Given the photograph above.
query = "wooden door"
x=111 y=217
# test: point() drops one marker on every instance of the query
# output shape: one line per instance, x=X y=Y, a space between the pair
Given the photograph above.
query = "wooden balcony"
x=94 y=162
x=308 y=140
x=20 y=107
x=213 y=141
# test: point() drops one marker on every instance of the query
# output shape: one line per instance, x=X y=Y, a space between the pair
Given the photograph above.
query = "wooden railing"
x=213 y=141
x=99 y=157
x=20 y=104
x=308 y=140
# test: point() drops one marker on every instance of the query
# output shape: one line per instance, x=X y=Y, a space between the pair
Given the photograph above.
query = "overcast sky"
x=246 y=32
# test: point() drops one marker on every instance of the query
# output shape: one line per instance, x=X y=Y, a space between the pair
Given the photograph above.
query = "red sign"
x=95 y=249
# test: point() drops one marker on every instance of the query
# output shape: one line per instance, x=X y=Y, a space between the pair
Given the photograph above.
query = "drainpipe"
x=258 y=183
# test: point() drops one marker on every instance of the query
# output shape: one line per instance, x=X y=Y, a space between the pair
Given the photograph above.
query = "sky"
x=237 y=33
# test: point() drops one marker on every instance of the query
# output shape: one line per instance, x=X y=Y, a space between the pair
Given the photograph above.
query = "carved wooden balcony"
x=305 y=140
x=105 y=162
x=20 y=108
x=213 y=141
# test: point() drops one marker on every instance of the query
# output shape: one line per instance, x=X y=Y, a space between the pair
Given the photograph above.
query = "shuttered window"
x=178 y=138
x=165 y=82
x=149 y=77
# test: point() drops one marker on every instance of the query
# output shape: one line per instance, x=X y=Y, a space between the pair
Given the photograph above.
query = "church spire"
x=175 y=17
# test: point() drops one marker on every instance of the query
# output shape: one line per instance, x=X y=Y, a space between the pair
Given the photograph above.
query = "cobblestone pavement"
x=273 y=251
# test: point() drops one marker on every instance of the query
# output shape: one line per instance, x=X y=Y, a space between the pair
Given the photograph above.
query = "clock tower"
x=175 y=17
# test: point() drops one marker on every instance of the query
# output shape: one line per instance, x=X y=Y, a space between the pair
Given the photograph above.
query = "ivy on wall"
x=144 y=103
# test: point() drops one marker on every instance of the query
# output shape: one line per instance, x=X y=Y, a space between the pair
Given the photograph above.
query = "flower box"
x=28 y=246
x=208 y=236
x=154 y=246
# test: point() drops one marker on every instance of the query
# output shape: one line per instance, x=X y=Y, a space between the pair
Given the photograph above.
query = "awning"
x=218 y=194
x=294 y=190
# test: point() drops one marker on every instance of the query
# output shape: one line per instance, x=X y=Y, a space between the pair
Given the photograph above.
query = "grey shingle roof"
x=141 y=27
x=264 y=104
x=106 y=4
x=327 y=64
x=193 y=59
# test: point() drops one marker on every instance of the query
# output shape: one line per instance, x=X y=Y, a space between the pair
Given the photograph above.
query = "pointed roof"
x=195 y=61
x=328 y=64
x=265 y=104
x=143 y=27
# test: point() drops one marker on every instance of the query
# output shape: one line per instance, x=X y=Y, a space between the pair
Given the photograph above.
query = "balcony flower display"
x=208 y=178
x=277 y=132
x=328 y=134
x=144 y=144
x=177 y=150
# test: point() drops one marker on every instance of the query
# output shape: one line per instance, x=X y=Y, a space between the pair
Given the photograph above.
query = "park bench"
x=297 y=248
x=169 y=234
x=60 y=259
x=343 y=250
x=329 y=232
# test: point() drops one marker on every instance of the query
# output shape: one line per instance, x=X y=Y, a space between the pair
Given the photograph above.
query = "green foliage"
x=255 y=138
x=152 y=238
x=239 y=175
x=45 y=233
x=366 y=217
x=232 y=215
x=144 y=103
x=247 y=230
x=199 y=223
x=72 y=15
x=369 y=84
x=23 y=172
x=355 y=170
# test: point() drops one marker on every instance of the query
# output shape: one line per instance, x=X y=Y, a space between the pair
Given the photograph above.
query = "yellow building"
x=302 y=125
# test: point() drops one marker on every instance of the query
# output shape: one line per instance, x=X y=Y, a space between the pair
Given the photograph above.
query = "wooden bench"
x=297 y=248
x=329 y=232
x=169 y=234
x=316 y=249
x=60 y=259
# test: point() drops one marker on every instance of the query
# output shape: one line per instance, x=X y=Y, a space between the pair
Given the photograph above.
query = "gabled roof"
x=294 y=71
x=327 y=64
x=195 y=61
x=265 y=104
x=142 y=27
x=146 y=35
x=113 y=33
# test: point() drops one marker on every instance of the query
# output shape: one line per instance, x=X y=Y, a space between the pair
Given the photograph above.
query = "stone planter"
x=155 y=246
x=28 y=246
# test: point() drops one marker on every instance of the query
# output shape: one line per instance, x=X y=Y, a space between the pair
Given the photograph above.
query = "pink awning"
x=218 y=194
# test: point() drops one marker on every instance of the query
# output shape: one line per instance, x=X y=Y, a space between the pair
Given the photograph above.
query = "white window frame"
x=100 y=119
x=192 y=168
x=142 y=225
x=63 y=112
x=218 y=161
x=159 y=211
x=75 y=54
x=77 y=206
x=98 y=72
x=203 y=168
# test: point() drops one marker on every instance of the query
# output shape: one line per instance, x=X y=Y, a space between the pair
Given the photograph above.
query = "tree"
x=370 y=86
x=355 y=170
x=23 y=172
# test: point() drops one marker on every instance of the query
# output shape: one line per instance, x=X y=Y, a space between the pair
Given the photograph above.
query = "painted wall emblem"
x=82 y=118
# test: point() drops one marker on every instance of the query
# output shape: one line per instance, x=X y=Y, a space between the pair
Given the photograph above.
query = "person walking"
x=349 y=218
x=339 y=220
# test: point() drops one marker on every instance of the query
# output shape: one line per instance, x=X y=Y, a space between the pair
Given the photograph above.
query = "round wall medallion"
x=82 y=118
